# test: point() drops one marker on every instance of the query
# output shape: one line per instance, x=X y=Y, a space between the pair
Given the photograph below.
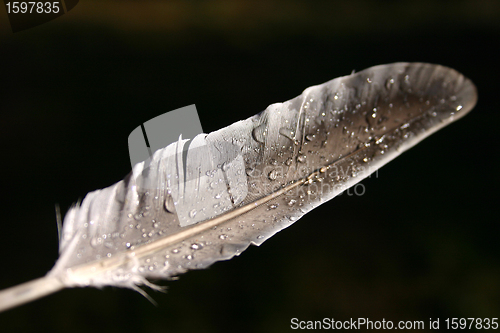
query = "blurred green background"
x=421 y=243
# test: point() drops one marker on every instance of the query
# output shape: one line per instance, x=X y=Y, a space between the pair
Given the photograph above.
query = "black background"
x=421 y=243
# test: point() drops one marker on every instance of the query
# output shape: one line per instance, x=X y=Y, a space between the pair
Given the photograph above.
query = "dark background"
x=421 y=243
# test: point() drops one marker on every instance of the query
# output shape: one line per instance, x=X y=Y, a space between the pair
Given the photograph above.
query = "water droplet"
x=260 y=237
x=175 y=251
x=273 y=206
x=223 y=236
x=273 y=175
x=192 y=213
x=368 y=80
x=366 y=159
x=288 y=161
x=301 y=158
x=389 y=83
x=189 y=257
x=196 y=246
x=128 y=245
x=95 y=241
x=380 y=140
x=459 y=107
x=169 y=204
x=292 y=202
x=288 y=133
x=225 y=166
x=259 y=133
x=310 y=137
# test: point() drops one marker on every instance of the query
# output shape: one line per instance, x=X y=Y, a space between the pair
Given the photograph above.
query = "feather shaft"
x=29 y=291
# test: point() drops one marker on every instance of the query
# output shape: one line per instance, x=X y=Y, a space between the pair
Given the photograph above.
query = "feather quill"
x=207 y=199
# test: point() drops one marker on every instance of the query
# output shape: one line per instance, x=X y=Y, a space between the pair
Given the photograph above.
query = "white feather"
x=200 y=201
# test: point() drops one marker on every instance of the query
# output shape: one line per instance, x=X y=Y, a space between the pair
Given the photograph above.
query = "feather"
x=198 y=201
